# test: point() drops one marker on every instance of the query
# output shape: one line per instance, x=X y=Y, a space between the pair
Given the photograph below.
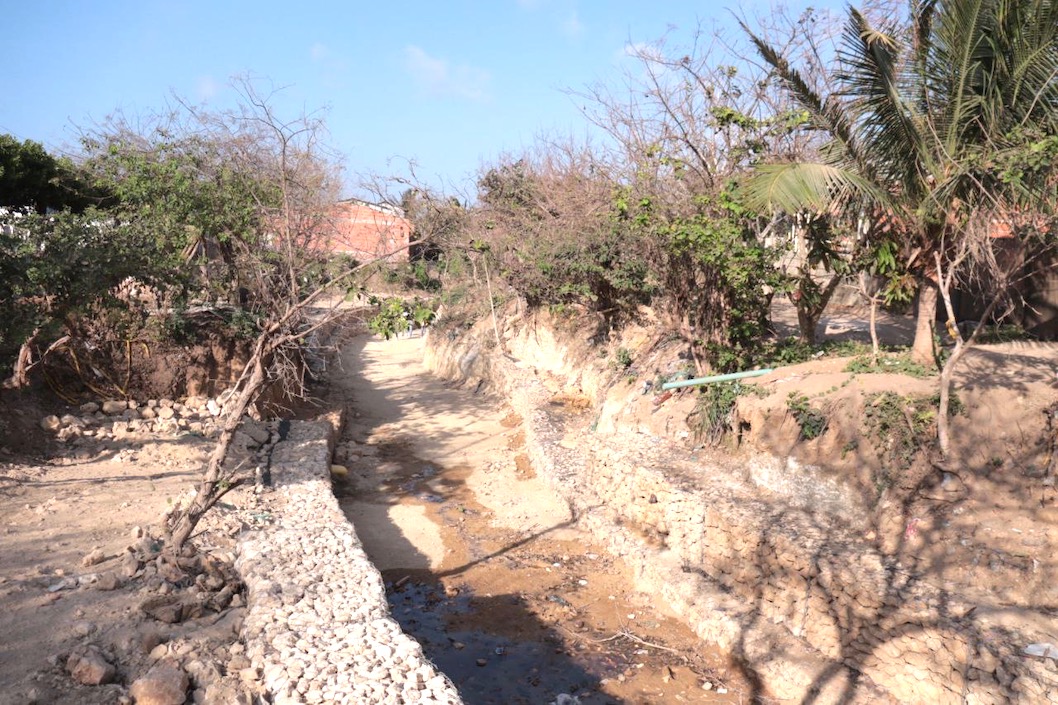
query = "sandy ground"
x=486 y=565
x=398 y=404
x=53 y=513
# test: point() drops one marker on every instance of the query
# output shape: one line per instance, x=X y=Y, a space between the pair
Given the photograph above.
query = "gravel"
x=318 y=628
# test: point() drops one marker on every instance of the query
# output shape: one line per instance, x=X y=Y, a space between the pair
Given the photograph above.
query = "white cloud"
x=331 y=67
x=572 y=27
x=207 y=87
x=439 y=77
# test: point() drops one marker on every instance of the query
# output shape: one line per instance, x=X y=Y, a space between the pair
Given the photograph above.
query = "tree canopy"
x=920 y=123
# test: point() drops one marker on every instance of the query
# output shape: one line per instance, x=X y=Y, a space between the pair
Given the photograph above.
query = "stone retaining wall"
x=815 y=612
x=317 y=626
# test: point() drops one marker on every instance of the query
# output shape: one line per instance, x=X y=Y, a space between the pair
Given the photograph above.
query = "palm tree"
x=919 y=122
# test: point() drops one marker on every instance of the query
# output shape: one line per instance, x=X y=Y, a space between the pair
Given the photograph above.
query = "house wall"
x=366 y=231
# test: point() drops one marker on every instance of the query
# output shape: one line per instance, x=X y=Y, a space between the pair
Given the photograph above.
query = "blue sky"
x=450 y=85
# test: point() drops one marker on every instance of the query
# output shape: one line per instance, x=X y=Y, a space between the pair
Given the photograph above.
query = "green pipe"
x=716 y=378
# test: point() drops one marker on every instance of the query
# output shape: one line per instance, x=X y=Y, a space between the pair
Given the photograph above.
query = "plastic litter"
x=1044 y=650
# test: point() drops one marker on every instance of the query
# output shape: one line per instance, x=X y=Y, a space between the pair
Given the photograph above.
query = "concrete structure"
x=367 y=231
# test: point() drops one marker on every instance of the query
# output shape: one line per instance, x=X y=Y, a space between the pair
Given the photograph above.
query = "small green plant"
x=812 y=421
x=243 y=324
x=888 y=364
x=849 y=447
x=715 y=410
x=422 y=278
x=396 y=316
x=393 y=318
x=901 y=426
x=623 y=358
x=790 y=351
x=422 y=313
x=177 y=327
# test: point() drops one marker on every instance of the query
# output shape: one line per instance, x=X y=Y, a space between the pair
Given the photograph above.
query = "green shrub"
x=396 y=316
x=887 y=364
x=812 y=421
x=393 y=318
x=714 y=414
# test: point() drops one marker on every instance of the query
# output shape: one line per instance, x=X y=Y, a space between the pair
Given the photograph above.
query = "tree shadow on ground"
x=493 y=647
x=893 y=609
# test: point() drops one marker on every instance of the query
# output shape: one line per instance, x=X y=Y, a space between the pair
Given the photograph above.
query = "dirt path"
x=485 y=564
x=54 y=515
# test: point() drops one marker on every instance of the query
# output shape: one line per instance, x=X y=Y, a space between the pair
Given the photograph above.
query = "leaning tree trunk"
x=20 y=373
x=809 y=311
x=922 y=350
x=807 y=321
x=215 y=483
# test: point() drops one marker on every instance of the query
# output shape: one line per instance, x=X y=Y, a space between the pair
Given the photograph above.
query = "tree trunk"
x=943 y=433
x=922 y=350
x=948 y=371
x=806 y=323
x=20 y=373
x=810 y=309
x=875 y=347
x=213 y=484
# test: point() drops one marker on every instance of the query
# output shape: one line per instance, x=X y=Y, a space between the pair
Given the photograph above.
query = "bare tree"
x=296 y=190
x=688 y=121
x=998 y=251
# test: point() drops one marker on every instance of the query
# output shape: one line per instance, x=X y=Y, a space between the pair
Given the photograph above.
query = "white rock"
x=114 y=407
x=51 y=424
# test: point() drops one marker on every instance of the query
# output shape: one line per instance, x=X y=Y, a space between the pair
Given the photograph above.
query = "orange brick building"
x=367 y=231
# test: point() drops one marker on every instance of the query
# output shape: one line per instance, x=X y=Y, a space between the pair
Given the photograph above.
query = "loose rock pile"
x=118 y=419
x=318 y=628
x=179 y=646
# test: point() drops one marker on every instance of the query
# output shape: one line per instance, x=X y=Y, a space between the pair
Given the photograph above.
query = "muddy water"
x=485 y=566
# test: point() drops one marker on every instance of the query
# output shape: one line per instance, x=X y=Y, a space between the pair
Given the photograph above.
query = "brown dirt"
x=984 y=522
x=497 y=543
x=55 y=509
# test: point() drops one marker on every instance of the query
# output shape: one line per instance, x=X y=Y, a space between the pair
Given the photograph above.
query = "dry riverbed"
x=485 y=564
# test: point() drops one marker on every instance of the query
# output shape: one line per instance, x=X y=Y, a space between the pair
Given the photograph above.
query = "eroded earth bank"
x=848 y=567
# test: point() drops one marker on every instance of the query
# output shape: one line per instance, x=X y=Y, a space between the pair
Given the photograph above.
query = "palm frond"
x=892 y=127
x=1025 y=78
x=922 y=15
x=959 y=56
x=810 y=186
x=825 y=113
